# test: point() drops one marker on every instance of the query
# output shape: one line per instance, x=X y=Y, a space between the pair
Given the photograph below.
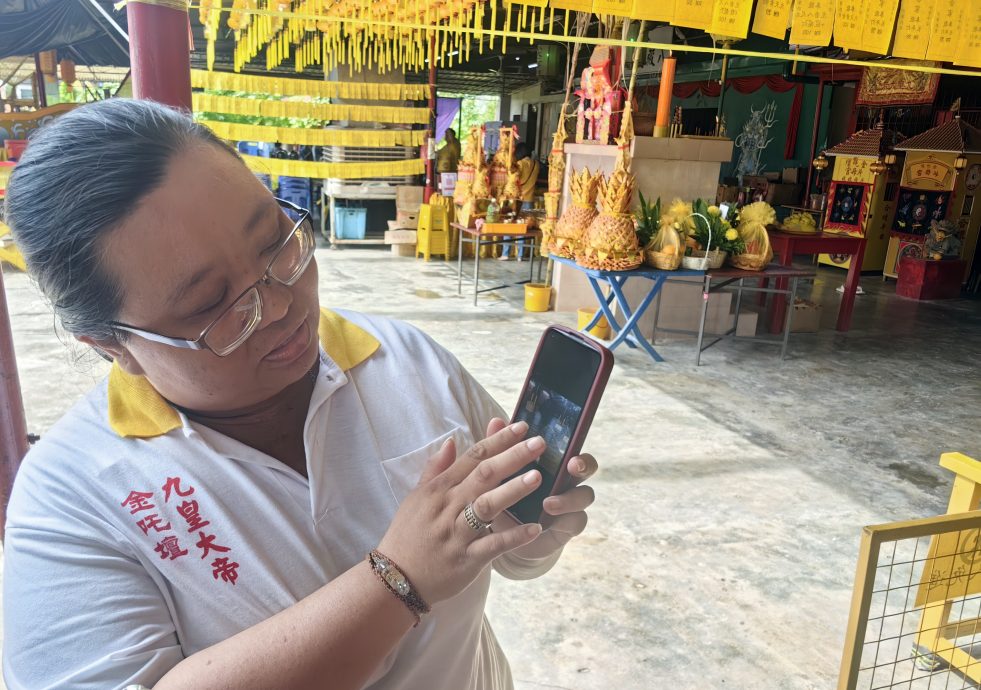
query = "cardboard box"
x=403 y=250
x=408 y=198
x=806 y=317
x=406 y=220
x=400 y=237
x=726 y=194
x=778 y=194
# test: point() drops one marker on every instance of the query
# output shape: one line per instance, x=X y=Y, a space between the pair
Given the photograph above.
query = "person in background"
x=528 y=169
x=448 y=157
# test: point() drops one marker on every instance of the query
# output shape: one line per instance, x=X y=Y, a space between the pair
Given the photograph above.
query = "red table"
x=786 y=245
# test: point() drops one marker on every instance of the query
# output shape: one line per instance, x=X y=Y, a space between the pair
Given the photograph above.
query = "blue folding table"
x=628 y=332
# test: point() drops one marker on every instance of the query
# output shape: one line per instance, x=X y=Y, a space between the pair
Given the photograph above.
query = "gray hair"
x=81 y=176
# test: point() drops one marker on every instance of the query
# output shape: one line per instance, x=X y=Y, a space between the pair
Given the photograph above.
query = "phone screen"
x=552 y=405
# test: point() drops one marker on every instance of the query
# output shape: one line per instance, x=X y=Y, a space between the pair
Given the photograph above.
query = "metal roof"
x=954 y=136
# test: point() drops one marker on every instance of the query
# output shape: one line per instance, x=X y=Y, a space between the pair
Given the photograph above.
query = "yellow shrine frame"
x=953 y=536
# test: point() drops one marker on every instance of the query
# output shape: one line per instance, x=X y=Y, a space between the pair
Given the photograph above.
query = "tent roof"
x=74 y=28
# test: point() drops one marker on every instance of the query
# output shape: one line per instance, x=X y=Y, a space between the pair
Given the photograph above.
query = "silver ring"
x=475 y=522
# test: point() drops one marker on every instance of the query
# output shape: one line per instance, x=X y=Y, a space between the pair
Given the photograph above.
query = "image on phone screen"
x=552 y=404
x=552 y=416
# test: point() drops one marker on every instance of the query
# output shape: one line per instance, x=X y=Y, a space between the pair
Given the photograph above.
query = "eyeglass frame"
x=266 y=279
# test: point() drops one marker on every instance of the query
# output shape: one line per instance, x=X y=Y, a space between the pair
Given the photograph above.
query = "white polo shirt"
x=136 y=538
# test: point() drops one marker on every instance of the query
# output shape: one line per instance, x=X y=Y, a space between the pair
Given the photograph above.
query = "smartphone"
x=559 y=398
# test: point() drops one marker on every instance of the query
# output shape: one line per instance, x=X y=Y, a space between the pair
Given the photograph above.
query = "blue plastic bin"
x=350 y=223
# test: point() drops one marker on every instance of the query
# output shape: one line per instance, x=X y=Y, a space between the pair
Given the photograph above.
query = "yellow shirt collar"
x=137 y=410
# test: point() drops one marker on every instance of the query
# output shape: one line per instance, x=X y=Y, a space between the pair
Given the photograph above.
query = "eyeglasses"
x=234 y=325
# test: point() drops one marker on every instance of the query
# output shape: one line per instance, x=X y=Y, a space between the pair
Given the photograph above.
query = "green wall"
x=737 y=108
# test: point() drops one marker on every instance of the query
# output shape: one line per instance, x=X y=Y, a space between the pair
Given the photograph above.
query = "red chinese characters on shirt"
x=192 y=515
x=223 y=568
x=207 y=545
x=174 y=484
x=170 y=548
x=137 y=501
x=153 y=522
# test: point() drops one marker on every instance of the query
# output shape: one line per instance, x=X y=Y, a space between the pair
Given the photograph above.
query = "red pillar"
x=160 y=53
x=13 y=427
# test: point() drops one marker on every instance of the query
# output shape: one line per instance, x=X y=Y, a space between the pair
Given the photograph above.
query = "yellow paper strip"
x=880 y=18
x=944 y=29
x=649 y=10
x=913 y=29
x=336 y=171
x=365 y=138
x=850 y=22
x=229 y=81
x=696 y=14
x=730 y=18
x=969 y=48
x=650 y=45
x=813 y=22
x=619 y=8
x=574 y=5
x=300 y=109
x=772 y=18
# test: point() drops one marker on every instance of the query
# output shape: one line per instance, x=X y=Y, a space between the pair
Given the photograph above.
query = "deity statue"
x=942 y=242
x=599 y=100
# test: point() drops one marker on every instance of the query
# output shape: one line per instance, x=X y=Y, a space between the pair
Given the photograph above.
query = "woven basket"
x=662 y=260
x=750 y=262
x=703 y=261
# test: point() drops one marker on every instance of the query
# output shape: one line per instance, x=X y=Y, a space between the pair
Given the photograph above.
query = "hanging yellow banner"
x=303 y=109
x=696 y=14
x=913 y=29
x=944 y=29
x=336 y=171
x=969 y=48
x=880 y=18
x=653 y=11
x=620 y=8
x=731 y=18
x=280 y=86
x=573 y=5
x=772 y=18
x=849 y=22
x=365 y=138
x=813 y=23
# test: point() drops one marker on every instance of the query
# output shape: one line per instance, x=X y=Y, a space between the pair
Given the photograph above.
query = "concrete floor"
x=721 y=549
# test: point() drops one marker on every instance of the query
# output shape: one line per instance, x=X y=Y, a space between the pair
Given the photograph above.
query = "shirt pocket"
x=403 y=472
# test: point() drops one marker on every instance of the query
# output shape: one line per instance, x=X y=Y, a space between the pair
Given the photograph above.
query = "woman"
x=262 y=494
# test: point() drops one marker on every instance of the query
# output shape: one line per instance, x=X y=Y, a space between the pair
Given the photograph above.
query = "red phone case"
x=562 y=479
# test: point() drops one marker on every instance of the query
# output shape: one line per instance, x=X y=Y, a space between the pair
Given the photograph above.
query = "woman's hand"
x=568 y=509
x=429 y=538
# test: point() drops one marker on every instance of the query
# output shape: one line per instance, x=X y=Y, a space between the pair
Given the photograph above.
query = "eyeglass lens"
x=238 y=323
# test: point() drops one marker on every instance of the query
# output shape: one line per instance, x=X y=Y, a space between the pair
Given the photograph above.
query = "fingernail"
x=579 y=465
x=519 y=428
x=533 y=530
x=531 y=478
x=551 y=503
x=536 y=443
x=446 y=443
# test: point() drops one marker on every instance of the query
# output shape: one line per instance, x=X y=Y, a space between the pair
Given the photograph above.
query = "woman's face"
x=191 y=247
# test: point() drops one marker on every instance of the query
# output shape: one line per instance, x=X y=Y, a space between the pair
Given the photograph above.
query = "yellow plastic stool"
x=433 y=233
